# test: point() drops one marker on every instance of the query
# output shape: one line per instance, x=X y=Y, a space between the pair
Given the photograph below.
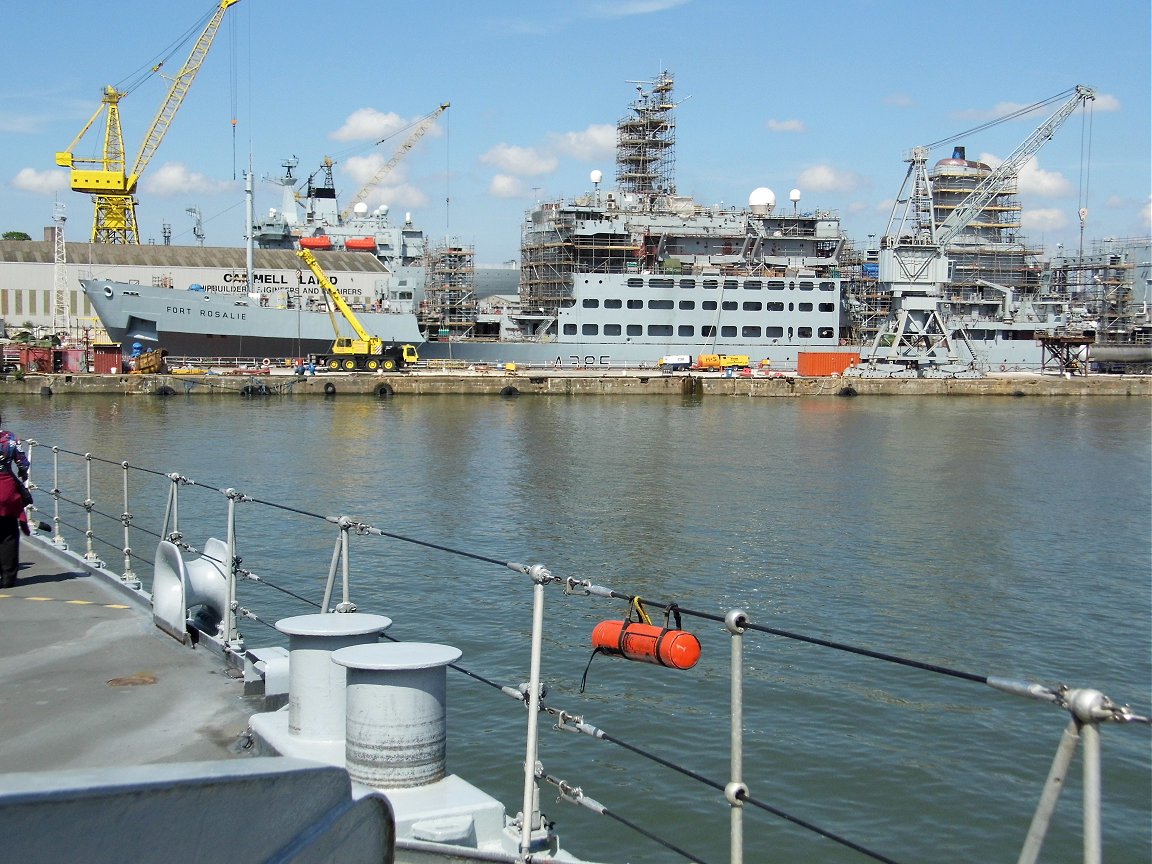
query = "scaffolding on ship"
x=449 y=307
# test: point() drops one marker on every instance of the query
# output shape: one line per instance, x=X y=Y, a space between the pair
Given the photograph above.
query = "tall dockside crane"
x=107 y=177
x=422 y=127
x=913 y=262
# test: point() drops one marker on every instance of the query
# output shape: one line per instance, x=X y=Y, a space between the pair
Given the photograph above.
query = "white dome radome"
x=761 y=200
x=360 y=209
x=596 y=176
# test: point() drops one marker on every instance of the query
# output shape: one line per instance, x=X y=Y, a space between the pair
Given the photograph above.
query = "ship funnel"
x=958 y=153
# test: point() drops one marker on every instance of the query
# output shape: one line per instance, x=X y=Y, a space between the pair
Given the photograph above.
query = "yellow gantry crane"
x=107 y=178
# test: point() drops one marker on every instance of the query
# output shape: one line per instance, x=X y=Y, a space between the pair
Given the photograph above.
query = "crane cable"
x=1012 y=115
x=1085 y=172
x=143 y=73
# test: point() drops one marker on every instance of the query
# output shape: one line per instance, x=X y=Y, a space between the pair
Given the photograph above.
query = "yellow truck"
x=720 y=362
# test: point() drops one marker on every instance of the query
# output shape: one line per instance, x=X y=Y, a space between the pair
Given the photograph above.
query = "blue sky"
x=826 y=97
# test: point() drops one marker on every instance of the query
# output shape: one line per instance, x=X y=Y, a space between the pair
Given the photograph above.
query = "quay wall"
x=571 y=384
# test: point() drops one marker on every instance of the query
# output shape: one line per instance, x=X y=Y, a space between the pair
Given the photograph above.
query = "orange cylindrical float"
x=647 y=643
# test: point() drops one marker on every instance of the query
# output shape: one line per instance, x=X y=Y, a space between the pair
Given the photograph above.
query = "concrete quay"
x=632 y=382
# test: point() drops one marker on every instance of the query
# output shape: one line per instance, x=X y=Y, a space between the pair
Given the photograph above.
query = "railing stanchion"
x=530 y=820
x=57 y=538
x=128 y=577
x=89 y=504
x=736 y=790
x=232 y=638
x=1090 y=734
x=1051 y=794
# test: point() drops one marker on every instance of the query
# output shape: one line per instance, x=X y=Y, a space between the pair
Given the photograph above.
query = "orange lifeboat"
x=358 y=243
x=321 y=242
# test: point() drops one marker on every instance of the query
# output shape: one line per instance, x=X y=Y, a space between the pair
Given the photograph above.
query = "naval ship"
x=638 y=272
x=622 y=276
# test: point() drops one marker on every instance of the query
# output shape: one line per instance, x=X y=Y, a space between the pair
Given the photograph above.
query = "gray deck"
x=88 y=681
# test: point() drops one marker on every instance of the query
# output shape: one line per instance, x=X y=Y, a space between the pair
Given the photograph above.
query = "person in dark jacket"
x=13 y=473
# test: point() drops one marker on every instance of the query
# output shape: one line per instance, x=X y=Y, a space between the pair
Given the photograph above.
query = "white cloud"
x=899 y=100
x=361 y=169
x=524 y=161
x=399 y=195
x=1034 y=180
x=1044 y=219
x=1106 y=102
x=506 y=186
x=368 y=124
x=1103 y=102
x=598 y=141
x=1146 y=214
x=633 y=7
x=40 y=182
x=173 y=178
x=786 y=126
x=21 y=124
x=825 y=178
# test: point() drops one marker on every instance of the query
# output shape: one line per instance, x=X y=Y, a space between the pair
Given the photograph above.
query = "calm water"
x=998 y=537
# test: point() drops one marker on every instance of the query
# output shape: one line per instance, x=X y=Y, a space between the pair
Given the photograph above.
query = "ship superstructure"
x=640 y=271
x=313 y=220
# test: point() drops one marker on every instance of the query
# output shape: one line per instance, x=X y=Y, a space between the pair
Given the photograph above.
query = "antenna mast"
x=61 y=322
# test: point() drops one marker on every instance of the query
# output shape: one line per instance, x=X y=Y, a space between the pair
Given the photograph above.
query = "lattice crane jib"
x=421 y=129
x=913 y=264
x=107 y=178
x=925 y=271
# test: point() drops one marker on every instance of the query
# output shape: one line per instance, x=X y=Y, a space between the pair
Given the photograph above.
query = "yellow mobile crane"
x=106 y=177
x=365 y=352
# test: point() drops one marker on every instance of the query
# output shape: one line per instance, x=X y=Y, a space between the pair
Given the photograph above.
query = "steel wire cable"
x=700 y=778
x=366 y=529
x=842 y=646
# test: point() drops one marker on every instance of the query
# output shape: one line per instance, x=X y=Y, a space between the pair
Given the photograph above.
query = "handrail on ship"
x=101 y=525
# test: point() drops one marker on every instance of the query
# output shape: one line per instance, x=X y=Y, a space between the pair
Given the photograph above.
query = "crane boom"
x=421 y=129
x=107 y=178
x=365 y=353
x=978 y=199
x=921 y=330
x=308 y=258
x=176 y=93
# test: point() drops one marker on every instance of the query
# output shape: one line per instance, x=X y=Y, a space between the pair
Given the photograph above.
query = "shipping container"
x=816 y=364
x=70 y=360
x=106 y=360
x=37 y=359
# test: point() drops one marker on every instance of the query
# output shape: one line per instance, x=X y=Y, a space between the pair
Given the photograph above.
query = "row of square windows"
x=730 y=284
x=687 y=331
x=708 y=305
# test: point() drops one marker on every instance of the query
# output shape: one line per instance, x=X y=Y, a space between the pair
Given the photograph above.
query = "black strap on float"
x=584 y=677
x=634 y=606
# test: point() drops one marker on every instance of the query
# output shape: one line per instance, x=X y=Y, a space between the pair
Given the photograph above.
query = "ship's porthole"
x=108 y=291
